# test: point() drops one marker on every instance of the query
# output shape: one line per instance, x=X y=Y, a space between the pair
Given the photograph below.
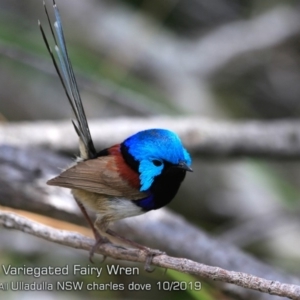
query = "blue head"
x=153 y=148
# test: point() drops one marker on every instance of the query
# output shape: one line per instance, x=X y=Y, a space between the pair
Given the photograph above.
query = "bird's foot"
x=100 y=240
x=150 y=254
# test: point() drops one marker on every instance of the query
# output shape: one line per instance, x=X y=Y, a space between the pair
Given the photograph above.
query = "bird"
x=140 y=174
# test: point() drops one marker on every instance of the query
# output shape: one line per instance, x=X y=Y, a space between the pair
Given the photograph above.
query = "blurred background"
x=220 y=59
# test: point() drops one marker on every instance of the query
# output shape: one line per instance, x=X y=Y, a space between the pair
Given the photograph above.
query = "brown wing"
x=100 y=175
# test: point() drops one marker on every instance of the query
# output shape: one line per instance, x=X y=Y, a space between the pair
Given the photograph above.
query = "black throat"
x=166 y=185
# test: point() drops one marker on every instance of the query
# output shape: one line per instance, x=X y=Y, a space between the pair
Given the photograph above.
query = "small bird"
x=142 y=173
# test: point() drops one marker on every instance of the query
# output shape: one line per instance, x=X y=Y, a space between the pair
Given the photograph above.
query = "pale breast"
x=112 y=208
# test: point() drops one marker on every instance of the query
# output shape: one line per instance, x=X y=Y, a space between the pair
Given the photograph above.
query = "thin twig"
x=78 y=241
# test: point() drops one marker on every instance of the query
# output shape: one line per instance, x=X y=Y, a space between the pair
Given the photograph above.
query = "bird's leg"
x=98 y=238
x=125 y=240
x=149 y=252
x=83 y=210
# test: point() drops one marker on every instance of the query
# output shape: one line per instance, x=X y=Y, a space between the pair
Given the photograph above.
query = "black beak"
x=184 y=166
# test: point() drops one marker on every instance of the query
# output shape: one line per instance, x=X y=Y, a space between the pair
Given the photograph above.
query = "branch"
x=267 y=139
x=77 y=241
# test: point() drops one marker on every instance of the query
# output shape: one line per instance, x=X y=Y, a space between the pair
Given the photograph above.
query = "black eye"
x=157 y=162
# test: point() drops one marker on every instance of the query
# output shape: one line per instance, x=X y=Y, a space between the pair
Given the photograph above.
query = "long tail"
x=67 y=78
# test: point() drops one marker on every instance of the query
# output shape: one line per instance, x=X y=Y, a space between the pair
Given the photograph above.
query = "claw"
x=150 y=255
x=147 y=266
x=92 y=261
x=99 y=241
